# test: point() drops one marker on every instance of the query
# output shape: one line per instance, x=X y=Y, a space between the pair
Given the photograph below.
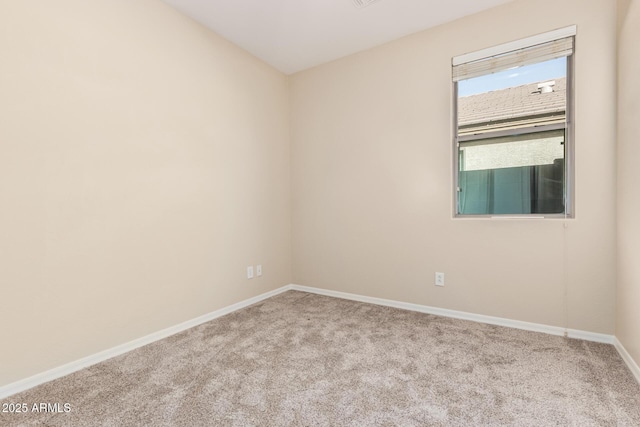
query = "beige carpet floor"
x=299 y=359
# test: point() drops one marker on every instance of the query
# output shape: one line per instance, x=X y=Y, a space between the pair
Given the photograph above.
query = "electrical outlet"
x=259 y=270
x=439 y=279
x=250 y=272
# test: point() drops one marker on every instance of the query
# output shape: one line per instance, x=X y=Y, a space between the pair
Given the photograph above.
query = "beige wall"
x=372 y=178
x=144 y=163
x=628 y=295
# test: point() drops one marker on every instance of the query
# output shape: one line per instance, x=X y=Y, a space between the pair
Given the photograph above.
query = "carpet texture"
x=307 y=360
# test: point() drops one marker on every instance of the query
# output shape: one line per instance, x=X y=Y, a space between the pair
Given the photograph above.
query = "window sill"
x=513 y=217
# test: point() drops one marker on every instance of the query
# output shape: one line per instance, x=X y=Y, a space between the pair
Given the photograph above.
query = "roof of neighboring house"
x=516 y=106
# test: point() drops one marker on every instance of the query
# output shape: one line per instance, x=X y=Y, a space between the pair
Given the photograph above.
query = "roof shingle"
x=512 y=103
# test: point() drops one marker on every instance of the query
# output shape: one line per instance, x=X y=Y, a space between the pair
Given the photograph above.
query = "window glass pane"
x=547 y=70
x=521 y=174
x=511 y=141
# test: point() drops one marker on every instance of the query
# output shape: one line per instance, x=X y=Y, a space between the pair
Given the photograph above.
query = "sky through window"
x=518 y=76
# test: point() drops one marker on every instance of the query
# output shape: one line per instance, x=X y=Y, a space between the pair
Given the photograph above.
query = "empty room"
x=320 y=212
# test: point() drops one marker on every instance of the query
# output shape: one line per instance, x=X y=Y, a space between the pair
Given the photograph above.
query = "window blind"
x=516 y=58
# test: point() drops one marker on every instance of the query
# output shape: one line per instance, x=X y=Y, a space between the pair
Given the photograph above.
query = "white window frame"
x=569 y=186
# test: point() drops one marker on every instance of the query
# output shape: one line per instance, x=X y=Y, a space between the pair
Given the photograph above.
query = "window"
x=512 y=128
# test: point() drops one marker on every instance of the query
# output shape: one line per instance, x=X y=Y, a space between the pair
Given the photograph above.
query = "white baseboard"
x=52 y=374
x=633 y=366
x=527 y=326
x=69 y=368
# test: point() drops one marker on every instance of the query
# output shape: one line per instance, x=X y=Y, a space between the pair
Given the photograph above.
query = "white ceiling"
x=293 y=35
